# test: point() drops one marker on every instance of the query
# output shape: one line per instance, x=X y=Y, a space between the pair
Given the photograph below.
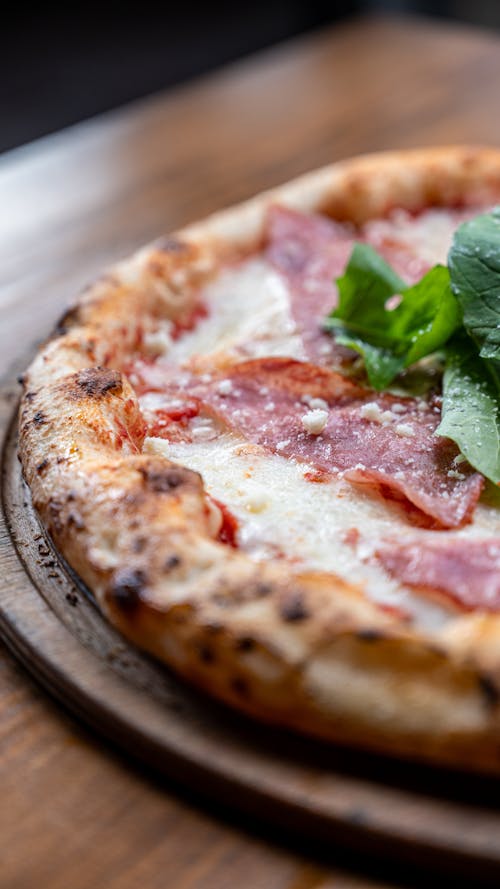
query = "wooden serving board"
x=52 y=625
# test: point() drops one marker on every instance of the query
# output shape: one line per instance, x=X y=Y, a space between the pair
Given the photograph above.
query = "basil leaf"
x=364 y=289
x=474 y=264
x=381 y=364
x=470 y=413
x=425 y=318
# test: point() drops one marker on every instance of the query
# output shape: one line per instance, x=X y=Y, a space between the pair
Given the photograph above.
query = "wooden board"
x=51 y=623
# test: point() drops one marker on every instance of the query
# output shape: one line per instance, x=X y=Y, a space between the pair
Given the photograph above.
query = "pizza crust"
x=307 y=651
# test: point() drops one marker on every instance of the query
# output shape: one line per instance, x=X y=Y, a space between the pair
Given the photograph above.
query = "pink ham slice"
x=466 y=570
x=372 y=439
x=310 y=252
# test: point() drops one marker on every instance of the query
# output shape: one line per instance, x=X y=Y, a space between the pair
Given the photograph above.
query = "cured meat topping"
x=319 y=417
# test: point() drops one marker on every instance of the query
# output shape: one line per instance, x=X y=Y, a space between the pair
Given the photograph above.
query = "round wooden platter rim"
x=197 y=742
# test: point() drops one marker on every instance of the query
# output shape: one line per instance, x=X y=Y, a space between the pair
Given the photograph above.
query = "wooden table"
x=73 y=813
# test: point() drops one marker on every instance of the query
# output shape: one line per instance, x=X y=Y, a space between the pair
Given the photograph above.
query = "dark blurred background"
x=59 y=66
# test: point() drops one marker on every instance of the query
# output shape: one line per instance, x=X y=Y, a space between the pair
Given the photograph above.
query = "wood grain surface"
x=74 y=814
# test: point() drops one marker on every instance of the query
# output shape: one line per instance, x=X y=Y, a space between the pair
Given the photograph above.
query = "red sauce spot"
x=351 y=536
x=229 y=527
x=184 y=325
x=317 y=476
x=395 y=611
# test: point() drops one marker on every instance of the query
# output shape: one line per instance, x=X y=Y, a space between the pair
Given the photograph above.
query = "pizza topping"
x=466 y=570
x=226 y=523
x=367 y=442
x=315 y=421
x=455 y=309
x=310 y=252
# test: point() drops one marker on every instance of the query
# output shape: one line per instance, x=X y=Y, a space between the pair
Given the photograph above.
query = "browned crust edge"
x=309 y=651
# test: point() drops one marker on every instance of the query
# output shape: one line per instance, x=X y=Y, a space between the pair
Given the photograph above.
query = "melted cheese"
x=248 y=317
x=281 y=514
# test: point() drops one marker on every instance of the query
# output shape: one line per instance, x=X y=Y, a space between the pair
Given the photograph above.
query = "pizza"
x=240 y=500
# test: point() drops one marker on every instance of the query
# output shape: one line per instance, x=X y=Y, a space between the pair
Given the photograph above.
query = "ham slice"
x=465 y=569
x=319 y=417
x=310 y=252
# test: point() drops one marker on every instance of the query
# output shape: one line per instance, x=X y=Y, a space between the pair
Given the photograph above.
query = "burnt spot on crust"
x=21 y=379
x=43 y=466
x=245 y=643
x=39 y=418
x=239 y=686
x=369 y=634
x=29 y=396
x=206 y=654
x=171 y=562
x=96 y=382
x=139 y=544
x=171 y=245
x=292 y=607
x=164 y=480
x=126 y=588
x=69 y=319
x=490 y=691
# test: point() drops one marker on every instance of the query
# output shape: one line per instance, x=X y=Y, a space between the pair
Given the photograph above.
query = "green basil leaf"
x=427 y=316
x=424 y=320
x=364 y=289
x=381 y=364
x=474 y=264
x=470 y=412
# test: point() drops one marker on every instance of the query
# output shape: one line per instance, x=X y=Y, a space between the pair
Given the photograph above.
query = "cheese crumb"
x=372 y=411
x=405 y=430
x=225 y=387
x=315 y=403
x=315 y=421
x=453 y=473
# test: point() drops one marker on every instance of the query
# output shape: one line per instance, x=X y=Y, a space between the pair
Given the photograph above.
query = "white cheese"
x=282 y=514
x=248 y=316
x=315 y=421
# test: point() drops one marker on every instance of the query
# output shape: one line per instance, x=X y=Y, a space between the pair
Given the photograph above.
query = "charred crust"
x=21 y=379
x=206 y=654
x=171 y=562
x=97 y=382
x=214 y=628
x=164 y=480
x=292 y=608
x=239 y=686
x=245 y=643
x=263 y=589
x=490 y=691
x=126 y=588
x=29 y=396
x=39 y=418
x=228 y=597
x=43 y=466
x=69 y=319
x=370 y=635
x=139 y=544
